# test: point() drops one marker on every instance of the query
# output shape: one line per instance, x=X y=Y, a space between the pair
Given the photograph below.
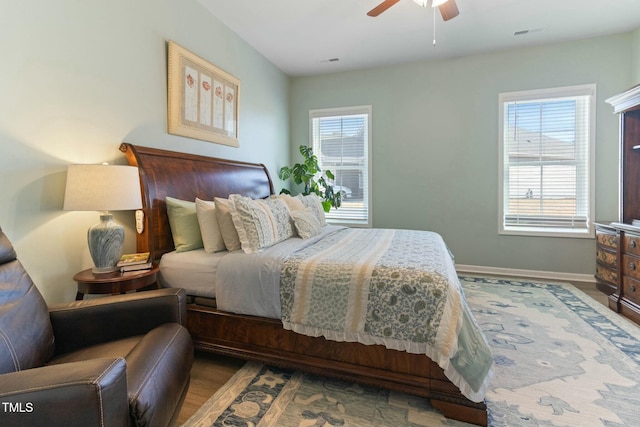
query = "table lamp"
x=103 y=188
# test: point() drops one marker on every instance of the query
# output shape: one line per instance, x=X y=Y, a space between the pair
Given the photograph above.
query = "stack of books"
x=133 y=262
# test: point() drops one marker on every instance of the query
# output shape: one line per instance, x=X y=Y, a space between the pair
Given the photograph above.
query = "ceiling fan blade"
x=449 y=10
x=386 y=4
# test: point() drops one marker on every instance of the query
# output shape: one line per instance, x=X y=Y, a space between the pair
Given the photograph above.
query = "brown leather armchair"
x=113 y=361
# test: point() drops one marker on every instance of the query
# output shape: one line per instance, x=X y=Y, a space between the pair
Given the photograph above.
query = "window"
x=341 y=139
x=547 y=162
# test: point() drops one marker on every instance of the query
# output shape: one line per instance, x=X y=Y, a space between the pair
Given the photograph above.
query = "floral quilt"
x=397 y=288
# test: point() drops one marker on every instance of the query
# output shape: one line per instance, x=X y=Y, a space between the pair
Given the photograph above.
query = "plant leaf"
x=306 y=151
x=284 y=173
x=309 y=174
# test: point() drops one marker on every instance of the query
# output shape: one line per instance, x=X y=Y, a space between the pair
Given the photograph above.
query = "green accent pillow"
x=183 y=221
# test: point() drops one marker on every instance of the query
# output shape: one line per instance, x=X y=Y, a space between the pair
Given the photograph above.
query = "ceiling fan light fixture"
x=448 y=8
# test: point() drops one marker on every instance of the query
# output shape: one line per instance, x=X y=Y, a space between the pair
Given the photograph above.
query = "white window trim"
x=577 y=90
x=338 y=111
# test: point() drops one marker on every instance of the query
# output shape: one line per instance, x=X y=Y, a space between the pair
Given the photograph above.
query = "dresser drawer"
x=631 y=289
x=606 y=257
x=607 y=275
x=631 y=266
x=631 y=244
x=607 y=239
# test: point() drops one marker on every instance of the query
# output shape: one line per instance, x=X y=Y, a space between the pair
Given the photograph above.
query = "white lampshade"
x=103 y=188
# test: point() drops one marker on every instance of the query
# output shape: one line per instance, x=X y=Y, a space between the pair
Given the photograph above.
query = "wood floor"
x=589 y=288
x=208 y=374
x=210 y=371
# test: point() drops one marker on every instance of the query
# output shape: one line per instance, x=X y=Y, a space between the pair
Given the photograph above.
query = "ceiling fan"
x=448 y=8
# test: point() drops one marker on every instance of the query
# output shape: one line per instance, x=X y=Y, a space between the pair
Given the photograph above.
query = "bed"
x=187 y=177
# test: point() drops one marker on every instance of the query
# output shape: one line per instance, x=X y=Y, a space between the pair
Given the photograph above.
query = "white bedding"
x=195 y=271
x=248 y=283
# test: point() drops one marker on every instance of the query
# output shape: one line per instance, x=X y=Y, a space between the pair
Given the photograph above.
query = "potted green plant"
x=309 y=174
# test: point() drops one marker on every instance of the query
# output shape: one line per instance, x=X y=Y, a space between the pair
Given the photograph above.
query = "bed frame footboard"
x=265 y=340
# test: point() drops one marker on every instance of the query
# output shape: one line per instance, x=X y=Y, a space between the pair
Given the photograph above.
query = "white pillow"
x=209 y=228
x=313 y=202
x=225 y=222
x=293 y=203
x=260 y=223
x=306 y=223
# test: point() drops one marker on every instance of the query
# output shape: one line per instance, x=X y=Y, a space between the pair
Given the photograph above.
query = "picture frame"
x=202 y=99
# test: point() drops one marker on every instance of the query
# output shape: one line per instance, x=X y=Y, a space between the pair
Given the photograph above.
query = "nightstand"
x=116 y=282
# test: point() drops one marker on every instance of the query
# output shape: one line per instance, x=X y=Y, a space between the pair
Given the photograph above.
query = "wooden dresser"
x=618 y=243
x=630 y=293
x=618 y=267
x=607 y=265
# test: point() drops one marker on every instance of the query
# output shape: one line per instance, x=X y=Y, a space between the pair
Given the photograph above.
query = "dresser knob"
x=633 y=289
x=632 y=244
x=632 y=266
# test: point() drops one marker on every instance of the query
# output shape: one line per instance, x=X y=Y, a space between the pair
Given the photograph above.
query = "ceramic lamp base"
x=105 y=244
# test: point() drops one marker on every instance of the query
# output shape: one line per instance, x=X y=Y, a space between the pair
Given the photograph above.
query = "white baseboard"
x=537 y=274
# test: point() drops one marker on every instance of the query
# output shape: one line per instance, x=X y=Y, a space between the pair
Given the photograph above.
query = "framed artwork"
x=202 y=99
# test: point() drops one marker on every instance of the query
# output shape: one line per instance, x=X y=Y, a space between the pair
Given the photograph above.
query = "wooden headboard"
x=186 y=176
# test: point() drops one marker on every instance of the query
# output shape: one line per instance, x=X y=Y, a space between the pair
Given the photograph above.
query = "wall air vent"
x=532 y=30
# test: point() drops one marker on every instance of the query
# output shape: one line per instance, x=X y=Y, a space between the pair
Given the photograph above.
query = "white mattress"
x=194 y=271
x=241 y=283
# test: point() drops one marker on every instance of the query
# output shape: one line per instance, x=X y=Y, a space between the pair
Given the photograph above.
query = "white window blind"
x=341 y=139
x=546 y=149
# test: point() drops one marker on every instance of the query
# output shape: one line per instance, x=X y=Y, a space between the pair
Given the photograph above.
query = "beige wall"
x=77 y=79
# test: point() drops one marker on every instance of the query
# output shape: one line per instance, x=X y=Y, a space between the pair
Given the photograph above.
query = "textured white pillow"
x=209 y=228
x=260 y=223
x=293 y=203
x=313 y=202
x=225 y=222
x=306 y=222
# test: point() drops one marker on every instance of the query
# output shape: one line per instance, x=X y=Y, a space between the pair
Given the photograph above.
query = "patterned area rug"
x=561 y=359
